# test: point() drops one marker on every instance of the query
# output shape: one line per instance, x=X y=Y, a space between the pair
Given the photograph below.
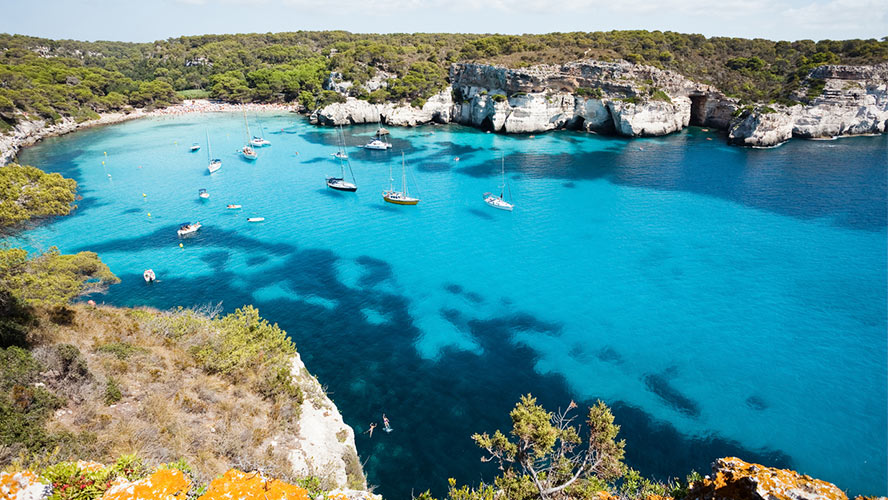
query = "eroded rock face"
x=760 y=129
x=735 y=479
x=650 y=118
x=854 y=101
x=325 y=445
x=355 y=111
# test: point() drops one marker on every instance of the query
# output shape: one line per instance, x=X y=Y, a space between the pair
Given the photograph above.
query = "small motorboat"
x=203 y=194
x=379 y=142
x=195 y=147
x=256 y=219
x=259 y=142
x=189 y=228
x=149 y=275
x=232 y=207
x=340 y=154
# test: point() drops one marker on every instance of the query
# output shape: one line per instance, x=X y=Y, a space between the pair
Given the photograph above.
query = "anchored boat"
x=339 y=183
x=379 y=141
x=401 y=197
x=214 y=163
x=498 y=201
x=247 y=151
x=188 y=228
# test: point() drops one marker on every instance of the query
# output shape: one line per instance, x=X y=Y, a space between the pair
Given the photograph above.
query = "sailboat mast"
x=403 y=174
x=503 y=186
x=209 y=148
x=391 y=179
x=247 y=125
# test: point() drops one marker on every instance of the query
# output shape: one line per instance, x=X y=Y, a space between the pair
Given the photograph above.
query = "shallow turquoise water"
x=724 y=301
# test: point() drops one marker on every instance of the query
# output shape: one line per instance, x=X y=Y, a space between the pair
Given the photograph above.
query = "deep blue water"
x=723 y=301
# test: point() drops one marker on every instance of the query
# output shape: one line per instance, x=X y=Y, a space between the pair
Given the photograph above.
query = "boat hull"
x=499 y=205
x=401 y=201
x=341 y=185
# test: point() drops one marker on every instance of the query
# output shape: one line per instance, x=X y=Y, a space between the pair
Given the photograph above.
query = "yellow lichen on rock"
x=164 y=484
x=733 y=478
x=15 y=485
x=235 y=484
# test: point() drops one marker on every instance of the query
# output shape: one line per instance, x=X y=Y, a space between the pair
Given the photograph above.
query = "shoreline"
x=29 y=133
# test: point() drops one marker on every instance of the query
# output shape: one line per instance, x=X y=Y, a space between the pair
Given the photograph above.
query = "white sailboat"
x=498 y=201
x=399 y=197
x=260 y=140
x=341 y=154
x=379 y=141
x=247 y=151
x=339 y=183
x=214 y=163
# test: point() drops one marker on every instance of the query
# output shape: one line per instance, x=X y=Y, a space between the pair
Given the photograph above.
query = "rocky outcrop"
x=651 y=117
x=853 y=101
x=163 y=484
x=762 y=128
x=634 y=100
x=23 y=485
x=734 y=479
x=325 y=446
x=28 y=132
x=356 y=111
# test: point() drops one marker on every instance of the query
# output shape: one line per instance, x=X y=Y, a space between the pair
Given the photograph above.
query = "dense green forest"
x=53 y=78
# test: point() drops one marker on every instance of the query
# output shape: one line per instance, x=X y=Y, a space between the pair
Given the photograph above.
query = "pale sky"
x=149 y=20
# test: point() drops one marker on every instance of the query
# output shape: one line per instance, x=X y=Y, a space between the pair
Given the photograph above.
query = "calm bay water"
x=723 y=301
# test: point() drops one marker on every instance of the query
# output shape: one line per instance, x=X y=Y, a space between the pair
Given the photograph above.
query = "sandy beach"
x=29 y=132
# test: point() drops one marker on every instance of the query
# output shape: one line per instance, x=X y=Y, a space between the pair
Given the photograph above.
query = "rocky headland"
x=29 y=131
x=632 y=100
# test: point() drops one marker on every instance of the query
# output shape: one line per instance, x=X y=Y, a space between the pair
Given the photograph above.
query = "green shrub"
x=24 y=407
x=632 y=100
x=593 y=92
x=498 y=97
x=120 y=350
x=659 y=95
x=815 y=87
x=249 y=347
x=112 y=391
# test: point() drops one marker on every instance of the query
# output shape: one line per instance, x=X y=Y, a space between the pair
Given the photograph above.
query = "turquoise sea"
x=723 y=301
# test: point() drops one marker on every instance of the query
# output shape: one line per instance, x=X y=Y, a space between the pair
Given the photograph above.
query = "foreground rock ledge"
x=732 y=478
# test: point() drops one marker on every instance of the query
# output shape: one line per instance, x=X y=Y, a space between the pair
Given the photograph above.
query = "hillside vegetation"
x=55 y=78
x=78 y=380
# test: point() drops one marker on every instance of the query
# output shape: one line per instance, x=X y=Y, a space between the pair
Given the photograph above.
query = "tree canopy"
x=27 y=193
x=55 y=78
